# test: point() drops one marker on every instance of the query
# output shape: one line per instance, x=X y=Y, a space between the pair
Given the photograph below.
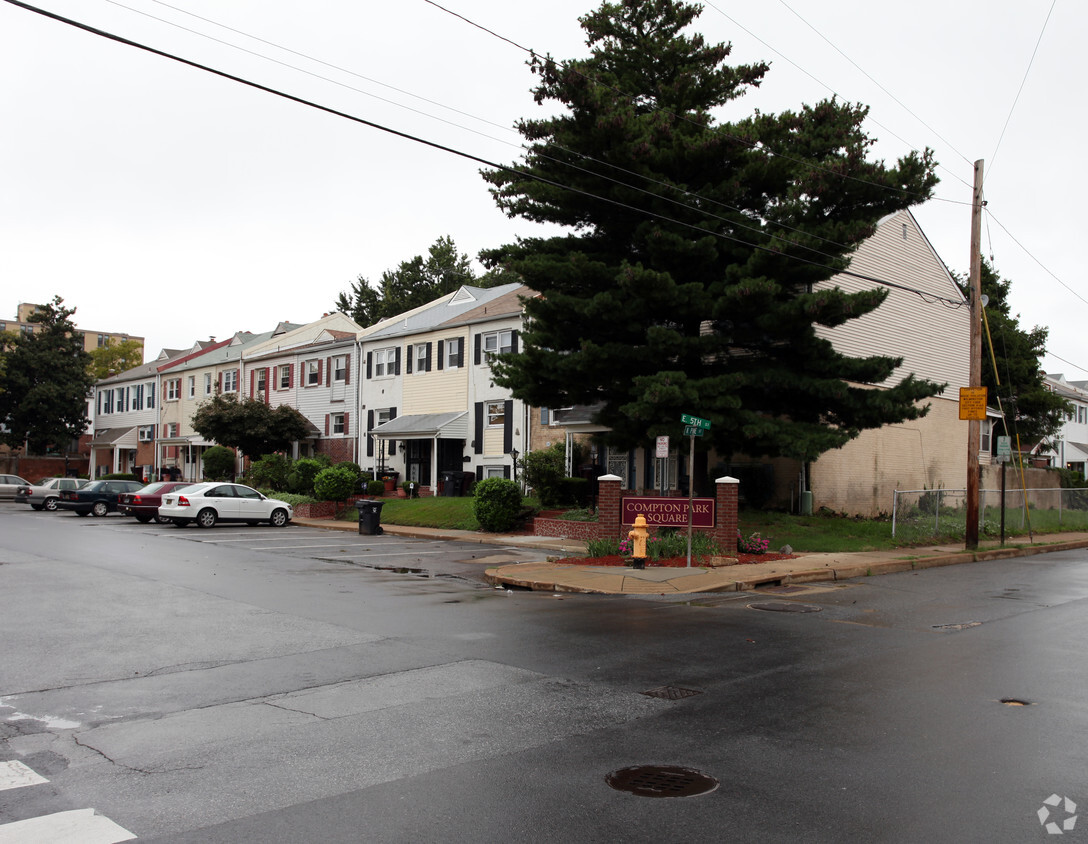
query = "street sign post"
x=694 y=426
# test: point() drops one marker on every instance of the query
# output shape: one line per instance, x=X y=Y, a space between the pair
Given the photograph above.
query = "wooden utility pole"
x=975 y=377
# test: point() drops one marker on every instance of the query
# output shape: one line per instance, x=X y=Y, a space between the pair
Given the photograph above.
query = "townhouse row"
x=411 y=395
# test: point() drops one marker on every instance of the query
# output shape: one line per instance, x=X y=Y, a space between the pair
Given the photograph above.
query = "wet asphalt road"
x=254 y=684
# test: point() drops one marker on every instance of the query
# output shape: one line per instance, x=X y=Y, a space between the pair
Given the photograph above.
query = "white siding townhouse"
x=314 y=369
x=1069 y=450
x=427 y=398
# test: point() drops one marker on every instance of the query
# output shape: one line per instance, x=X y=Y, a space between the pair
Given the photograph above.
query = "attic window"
x=904 y=231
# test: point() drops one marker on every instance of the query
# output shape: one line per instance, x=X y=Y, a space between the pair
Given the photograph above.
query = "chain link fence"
x=922 y=513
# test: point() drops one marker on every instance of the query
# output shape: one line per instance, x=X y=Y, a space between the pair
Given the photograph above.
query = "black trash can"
x=370 y=516
x=451 y=484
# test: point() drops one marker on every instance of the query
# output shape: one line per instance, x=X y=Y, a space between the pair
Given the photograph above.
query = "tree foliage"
x=684 y=281
x=1032 y=411
x=45 y=380
x=413 y=283
x=115 y=358
x=249 y=424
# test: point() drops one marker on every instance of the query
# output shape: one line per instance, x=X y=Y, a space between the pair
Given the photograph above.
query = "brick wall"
x=338 y=450
x=568 y=530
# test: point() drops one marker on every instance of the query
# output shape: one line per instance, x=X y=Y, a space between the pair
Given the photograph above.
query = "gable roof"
x=451 y=309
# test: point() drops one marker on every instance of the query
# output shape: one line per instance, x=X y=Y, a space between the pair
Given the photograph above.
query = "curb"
x=842 y=572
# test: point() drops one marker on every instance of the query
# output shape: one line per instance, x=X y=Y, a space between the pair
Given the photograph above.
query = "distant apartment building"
x=91 y=339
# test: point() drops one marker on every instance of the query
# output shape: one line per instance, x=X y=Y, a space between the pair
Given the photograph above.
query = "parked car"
x=144 y=502
x=208 y=503
x=8 y=485
x=97 y=497
x=46 y=492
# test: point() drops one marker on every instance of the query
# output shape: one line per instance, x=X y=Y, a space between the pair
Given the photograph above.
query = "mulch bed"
x=669 y=562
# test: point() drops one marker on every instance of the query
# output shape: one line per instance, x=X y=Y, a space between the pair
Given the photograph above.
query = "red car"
x=144 y=503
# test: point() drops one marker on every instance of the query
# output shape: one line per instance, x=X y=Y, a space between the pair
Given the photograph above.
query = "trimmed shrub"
x=375 y=487
x=270 y=471
x=219 y=462
x=543 y=471
x=497 y=504
x=301 y=478
x=335 y=483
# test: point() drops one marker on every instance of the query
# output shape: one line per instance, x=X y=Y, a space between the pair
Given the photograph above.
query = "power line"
x=757 y=223
x=1036 y=260
x=874 y=81
x=1019 y=90
x=744 y=141
x=924 y=295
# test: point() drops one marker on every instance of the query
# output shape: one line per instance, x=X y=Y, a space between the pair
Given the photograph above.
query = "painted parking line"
x=78 y=826
x=15 y=774
x=384 y=554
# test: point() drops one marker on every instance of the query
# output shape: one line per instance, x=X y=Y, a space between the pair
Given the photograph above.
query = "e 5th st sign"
x=695 y=425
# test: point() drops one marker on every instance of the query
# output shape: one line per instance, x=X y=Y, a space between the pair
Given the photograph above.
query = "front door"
x=417 y=458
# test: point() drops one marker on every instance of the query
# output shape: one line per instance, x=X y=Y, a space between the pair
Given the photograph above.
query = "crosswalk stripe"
x=78 y=826
x=15 y=774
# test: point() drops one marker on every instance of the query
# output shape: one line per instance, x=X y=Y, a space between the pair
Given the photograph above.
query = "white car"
x=208 y=503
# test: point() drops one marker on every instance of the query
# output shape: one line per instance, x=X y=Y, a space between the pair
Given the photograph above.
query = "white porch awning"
x=424 y=426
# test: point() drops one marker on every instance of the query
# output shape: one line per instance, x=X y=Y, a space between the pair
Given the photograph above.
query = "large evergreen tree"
x=685 y=282
x=1031 y=410
x=44 y=382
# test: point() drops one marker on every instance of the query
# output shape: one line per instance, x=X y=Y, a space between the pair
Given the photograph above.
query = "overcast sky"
x=162 y=201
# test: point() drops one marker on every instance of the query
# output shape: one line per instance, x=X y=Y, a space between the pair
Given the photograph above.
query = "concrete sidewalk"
x=553 y=576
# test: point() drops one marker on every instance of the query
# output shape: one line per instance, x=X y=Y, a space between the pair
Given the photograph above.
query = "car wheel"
x=143 y=520
x=279 y=517
x=50 y=504
x=162 y=520
x=180 y=522
x=36 y=506
x=100 y=508
x=206 y=518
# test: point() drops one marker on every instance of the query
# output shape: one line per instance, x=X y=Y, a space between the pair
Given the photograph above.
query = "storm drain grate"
x=661 y=781
x=672 y=692
x=784 y=590
x=783 y=606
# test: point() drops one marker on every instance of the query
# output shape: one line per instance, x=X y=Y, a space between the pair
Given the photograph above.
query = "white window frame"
x=420 y=362
x=496 y=418
x=284 y=377
x=313 y=373
x=449 y=350
x=493 y=343
x=137 y=396
x=192 y=386
x=119 y=399
x=339 y=369
x=382 y=416
x=260 y=382
x=207 y=383
x=337 y=426
x=173 y=389
x=384 y=361
x=107 y=403
x=230 y=381
x=494 y=472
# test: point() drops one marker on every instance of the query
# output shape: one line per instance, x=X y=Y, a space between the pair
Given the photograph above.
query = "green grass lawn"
x=433 y=512
x=820 y=532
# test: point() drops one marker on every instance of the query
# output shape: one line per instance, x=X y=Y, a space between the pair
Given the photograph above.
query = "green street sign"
x=692 y=431
x=695 y=421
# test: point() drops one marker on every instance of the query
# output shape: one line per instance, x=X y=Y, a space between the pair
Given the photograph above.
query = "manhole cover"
x=672 y=692
x=661 y=781
x=783 y=606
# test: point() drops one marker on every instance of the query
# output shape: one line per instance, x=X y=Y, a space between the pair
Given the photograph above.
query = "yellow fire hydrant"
x=638 y=535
